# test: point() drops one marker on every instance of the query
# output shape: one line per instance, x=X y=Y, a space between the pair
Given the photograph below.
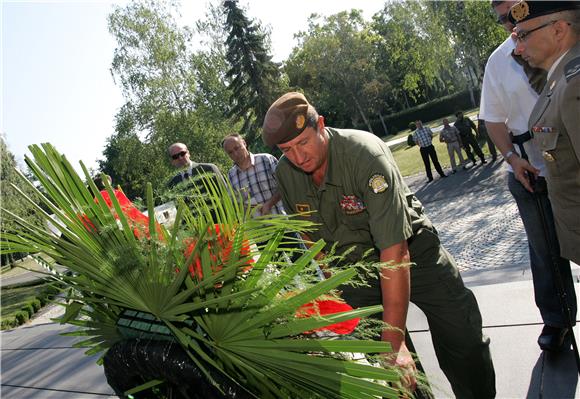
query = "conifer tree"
x=254 y=77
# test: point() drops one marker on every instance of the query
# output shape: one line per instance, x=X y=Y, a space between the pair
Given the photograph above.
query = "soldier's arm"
x=500 y=136
x=570 y=115
x=396 y=293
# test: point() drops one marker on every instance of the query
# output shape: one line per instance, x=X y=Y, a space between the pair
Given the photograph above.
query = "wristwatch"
x=509 y=154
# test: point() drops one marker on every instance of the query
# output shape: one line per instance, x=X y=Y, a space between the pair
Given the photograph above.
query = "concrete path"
x=478 y=223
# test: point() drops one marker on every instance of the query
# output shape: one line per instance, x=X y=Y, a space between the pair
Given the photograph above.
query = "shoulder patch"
x=572 y=69
x=378 y=183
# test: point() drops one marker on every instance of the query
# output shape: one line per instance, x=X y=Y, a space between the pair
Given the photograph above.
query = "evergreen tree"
x=254 y=76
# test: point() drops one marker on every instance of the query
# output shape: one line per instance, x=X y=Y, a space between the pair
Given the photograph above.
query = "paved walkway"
x=476 y=217
x=478 y=223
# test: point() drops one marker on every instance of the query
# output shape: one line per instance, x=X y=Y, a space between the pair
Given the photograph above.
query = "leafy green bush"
x=22 y=317
x=8 y=322
x=426 y=112
x=36 y=304
x=28 y=308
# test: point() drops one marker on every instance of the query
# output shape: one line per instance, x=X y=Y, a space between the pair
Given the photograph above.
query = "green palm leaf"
x=228 y=317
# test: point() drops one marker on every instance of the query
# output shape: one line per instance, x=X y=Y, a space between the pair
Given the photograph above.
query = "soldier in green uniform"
x=548 y=37
x=350 y=184
x=465 y=126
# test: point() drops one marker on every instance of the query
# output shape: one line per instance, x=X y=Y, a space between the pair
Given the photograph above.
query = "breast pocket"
x=359 y=221
x=546 y=141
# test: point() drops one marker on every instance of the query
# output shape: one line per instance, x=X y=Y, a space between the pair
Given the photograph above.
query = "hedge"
x=428 y=111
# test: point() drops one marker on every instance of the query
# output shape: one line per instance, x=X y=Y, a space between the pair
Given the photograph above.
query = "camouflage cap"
x=526 y=10
x=286 y=118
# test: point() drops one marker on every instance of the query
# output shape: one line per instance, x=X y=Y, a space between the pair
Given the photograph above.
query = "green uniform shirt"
x=362 y=201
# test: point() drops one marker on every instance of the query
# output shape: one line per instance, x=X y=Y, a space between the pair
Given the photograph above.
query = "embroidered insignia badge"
x=300 y=208
x=300 y=121
x=351 y=205
x=378 y=183
x=520 y=10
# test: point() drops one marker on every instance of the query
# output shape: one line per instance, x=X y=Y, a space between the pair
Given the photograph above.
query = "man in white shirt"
x=506 y=103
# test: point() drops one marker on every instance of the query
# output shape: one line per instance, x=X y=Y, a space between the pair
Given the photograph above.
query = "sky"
x=55 y=78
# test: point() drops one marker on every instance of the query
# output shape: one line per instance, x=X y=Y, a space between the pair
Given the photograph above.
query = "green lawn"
x=434 y=123
x=409 y=159
x=20 y=303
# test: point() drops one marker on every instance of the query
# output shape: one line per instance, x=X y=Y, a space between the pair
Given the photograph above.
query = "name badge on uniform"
x=351 y=205
x=302 y=208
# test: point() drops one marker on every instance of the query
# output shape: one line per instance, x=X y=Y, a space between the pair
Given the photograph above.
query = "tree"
x=334 y=65
x=173 y=94
x=254 y=77
x=472 y=29
x=151 y=60
x=414 y=52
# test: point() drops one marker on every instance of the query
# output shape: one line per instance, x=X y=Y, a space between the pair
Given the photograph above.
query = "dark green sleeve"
x=389 y=218
x=283 y=179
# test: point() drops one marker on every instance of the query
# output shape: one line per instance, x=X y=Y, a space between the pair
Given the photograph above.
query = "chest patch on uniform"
x=351 y=205
x=572 y=68
x=378 y=183
x=302 y=208
x=542 y=129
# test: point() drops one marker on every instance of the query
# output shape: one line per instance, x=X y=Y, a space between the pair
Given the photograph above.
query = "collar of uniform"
x=555 y=64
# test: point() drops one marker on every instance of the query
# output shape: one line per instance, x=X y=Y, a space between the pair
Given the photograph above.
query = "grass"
x=23 y=266
x=409 y=158
x=20 y=303
x=434 y=123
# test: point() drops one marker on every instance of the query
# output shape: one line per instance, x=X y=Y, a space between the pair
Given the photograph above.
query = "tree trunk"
x=383 y=123
x=362 y=114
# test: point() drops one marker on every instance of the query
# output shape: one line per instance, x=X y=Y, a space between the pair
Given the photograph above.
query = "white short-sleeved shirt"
x=507 y=97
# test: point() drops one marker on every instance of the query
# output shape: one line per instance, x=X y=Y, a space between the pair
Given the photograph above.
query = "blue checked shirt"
x=258 y=182
x=423 y=136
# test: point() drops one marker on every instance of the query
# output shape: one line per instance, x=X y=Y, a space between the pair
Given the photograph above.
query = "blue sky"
x=56 y=55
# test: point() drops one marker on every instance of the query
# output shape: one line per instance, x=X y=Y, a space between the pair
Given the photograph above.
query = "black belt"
x=520 y=139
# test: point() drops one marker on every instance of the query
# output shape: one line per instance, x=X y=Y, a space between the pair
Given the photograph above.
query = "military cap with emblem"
x=286 y=119
x=526 y=10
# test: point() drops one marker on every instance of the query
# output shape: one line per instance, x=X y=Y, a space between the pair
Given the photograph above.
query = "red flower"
x=325 y=307
x=219 y=257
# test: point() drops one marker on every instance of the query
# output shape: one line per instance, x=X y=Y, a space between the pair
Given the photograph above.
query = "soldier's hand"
x=523 y=171
x=403 y=359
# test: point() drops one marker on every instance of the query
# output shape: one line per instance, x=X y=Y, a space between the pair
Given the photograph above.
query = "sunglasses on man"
x=178 y=155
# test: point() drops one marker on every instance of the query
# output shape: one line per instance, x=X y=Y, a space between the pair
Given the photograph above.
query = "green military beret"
x=286 y=119
x=526 y=10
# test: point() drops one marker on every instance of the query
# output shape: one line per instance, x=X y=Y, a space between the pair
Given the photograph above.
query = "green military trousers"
x=452 y=313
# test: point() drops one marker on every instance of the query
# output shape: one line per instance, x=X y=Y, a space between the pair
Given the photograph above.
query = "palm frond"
x=234 y=314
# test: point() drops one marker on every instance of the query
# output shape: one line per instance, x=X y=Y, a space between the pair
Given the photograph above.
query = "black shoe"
x=493 y=159
x=483 y=161
x=430 y=180
x=554 y=339
x=442 y=176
